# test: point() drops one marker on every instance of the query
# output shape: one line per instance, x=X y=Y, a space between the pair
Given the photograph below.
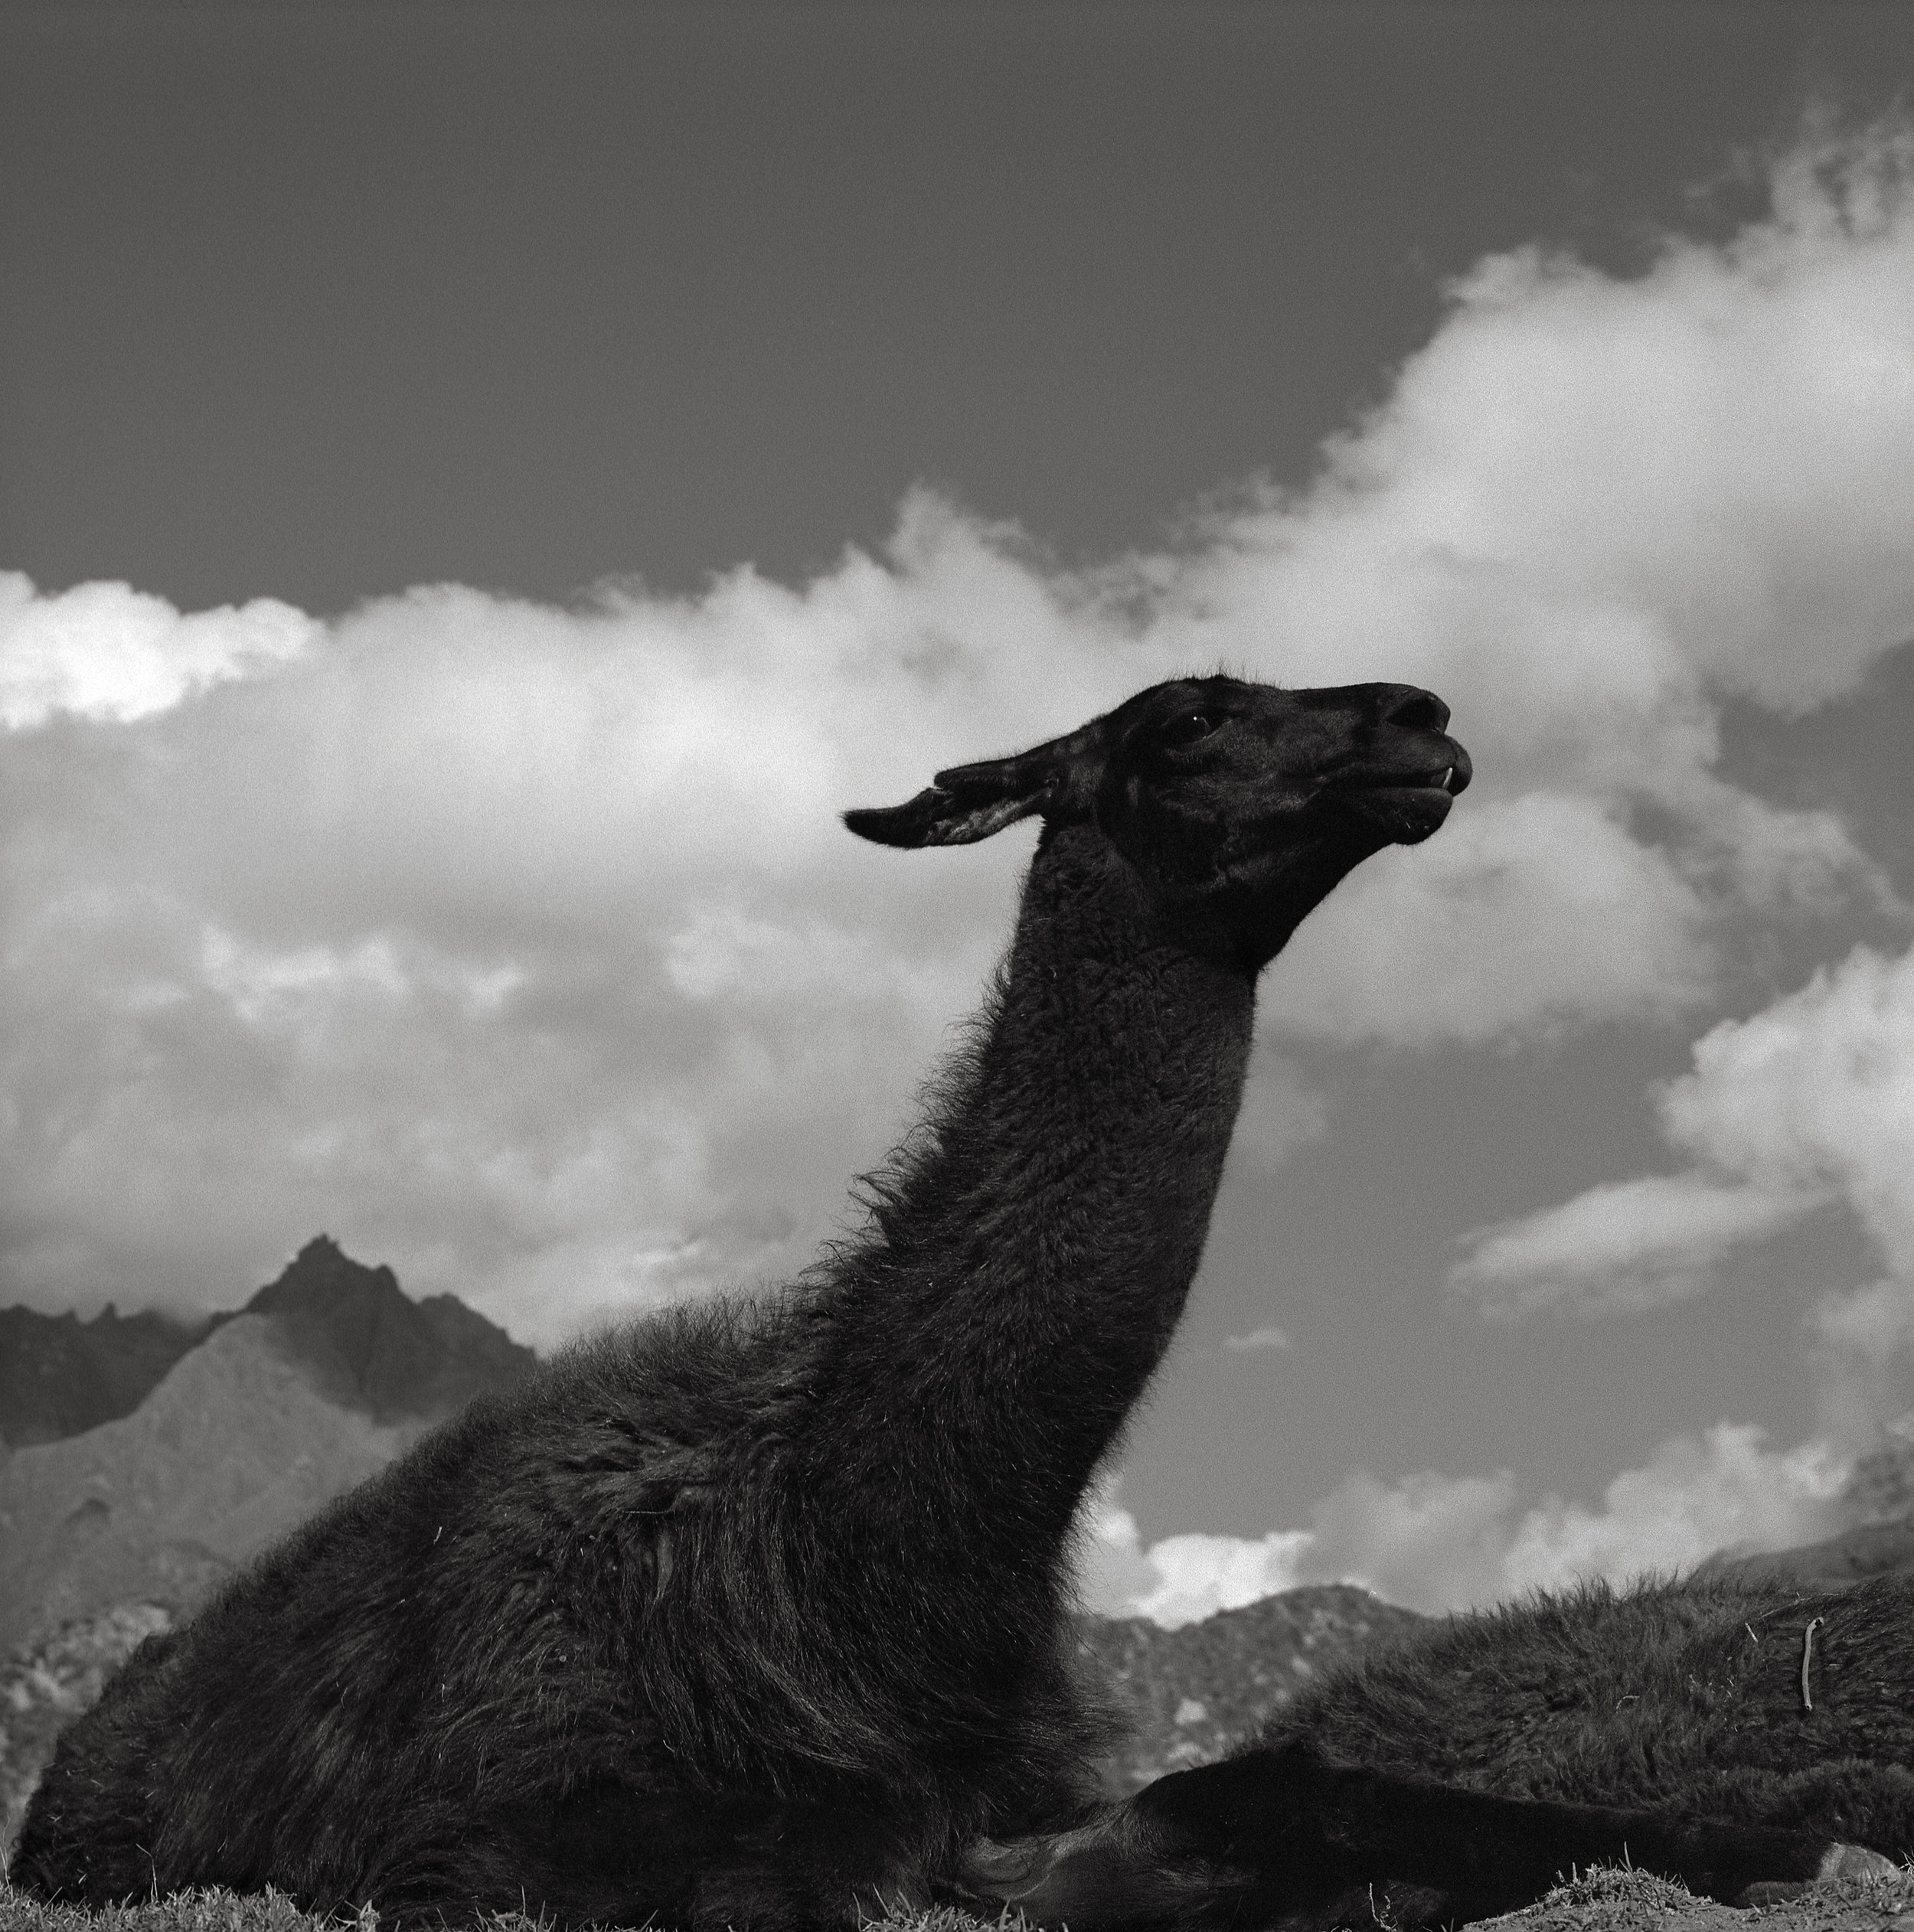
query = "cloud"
x=1816 y=1091
x=1257 y=1340
x=1438 y=1543
x=1182 y=1579
x=1810 y=1100
x=1628 y=1245
x=1528 y=914
x=521 y=946
x=106 y=650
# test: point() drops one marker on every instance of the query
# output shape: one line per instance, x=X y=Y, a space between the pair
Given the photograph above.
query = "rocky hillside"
x=368 y=1346
x=327 y=1372
x=235 y=1445
x=44 y=1687
x=1878 y=1539
x=60 y=1375
x=247 y=1427
x=1188 y=1694
x=365 y=1343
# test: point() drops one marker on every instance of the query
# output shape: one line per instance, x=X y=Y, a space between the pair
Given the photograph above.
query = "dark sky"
x=321 y=301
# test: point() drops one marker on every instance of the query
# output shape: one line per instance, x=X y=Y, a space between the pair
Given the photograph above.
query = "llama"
x=1680 y=1725
x=751 y=1615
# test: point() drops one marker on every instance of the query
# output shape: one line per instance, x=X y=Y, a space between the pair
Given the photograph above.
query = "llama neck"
x=983 y=1347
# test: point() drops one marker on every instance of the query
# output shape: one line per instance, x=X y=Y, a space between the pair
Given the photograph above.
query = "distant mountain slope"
x=1190 y=1693
x=371 y=1347
x=235 y=1446
x=60 y=1375
x=1877 y=1539
x=1868 y=1549
x=325 y=1376
x=368 y=1345
x=43 y=1687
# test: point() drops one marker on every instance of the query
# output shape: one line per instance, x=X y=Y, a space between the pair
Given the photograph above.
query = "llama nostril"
x=1413 y=710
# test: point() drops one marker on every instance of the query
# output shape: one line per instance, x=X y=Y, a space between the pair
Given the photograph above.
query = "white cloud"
x=1810 y=1099
x=1438 y=1542
x=1257 y=1340
x=1634 y=1244
x=1527 y=914
x=105 y=651
x=520 y=946
x=1182 y=1579
x=1816 y=1091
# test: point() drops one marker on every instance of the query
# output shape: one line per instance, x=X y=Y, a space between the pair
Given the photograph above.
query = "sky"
x=482 y=489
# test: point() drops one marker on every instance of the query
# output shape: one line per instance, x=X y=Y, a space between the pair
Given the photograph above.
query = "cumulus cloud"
x=1181 y=1579
x=1438 y=1543
x=106 y=650
x=520 y=946
x=1808 y=1101
x=1628 y=1245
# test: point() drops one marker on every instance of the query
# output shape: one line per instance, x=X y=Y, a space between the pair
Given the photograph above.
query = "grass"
x=1603 y=1899
x=273 y=1912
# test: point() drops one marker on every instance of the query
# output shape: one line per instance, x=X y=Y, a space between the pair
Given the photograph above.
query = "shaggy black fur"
x=1456 y=1775
x=749 y=1616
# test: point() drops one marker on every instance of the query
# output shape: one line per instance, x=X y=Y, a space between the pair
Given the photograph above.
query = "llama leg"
x=1278 y=1835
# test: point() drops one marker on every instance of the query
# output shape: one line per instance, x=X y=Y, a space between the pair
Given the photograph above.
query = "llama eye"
x=1188 y=727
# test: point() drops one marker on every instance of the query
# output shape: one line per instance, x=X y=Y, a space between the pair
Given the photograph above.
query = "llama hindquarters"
x=1276 y=1837
x=1686 y=1699
x=1459 y=1775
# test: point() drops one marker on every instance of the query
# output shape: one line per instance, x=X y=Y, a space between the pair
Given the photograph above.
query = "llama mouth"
x=1405 y=807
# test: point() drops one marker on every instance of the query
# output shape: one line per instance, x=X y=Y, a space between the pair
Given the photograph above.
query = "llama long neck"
x=981 y=1350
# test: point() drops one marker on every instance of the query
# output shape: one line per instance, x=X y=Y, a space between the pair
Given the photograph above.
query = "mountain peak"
x=372 y=1347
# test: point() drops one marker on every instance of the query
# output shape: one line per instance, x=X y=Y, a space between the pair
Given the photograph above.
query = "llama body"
x=1685 y=1698
x=750 y=1616
x=1455 y=1777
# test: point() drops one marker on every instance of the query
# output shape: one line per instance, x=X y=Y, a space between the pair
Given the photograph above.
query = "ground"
x=1599 y=1900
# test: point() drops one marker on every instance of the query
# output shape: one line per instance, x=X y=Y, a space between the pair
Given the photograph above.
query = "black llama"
x=751 y=1616
x=1698 y=1710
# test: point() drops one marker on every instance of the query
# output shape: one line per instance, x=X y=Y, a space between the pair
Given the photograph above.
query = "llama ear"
x=969 y=802
x=936 y=817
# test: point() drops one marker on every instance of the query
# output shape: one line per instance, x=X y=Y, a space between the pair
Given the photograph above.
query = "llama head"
x=1241 y=803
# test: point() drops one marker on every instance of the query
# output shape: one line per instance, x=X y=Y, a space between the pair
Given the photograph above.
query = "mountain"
x=60 y=1375
x=1188 y=1694
x=325 y=1376
x=370 y=1347
x=231 y=1433
x=1877 y=1538
x=1868 y=1549
x=235 y=1446
x=367 y=1343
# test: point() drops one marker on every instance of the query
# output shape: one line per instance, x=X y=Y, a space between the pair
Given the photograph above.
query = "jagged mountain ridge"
x=1186 y=1695
x=60 y=1375
x=371 y=1347
x=326 y=1375
x=368 y=1345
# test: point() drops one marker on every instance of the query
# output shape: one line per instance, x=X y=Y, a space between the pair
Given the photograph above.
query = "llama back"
x=1683 y=1698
